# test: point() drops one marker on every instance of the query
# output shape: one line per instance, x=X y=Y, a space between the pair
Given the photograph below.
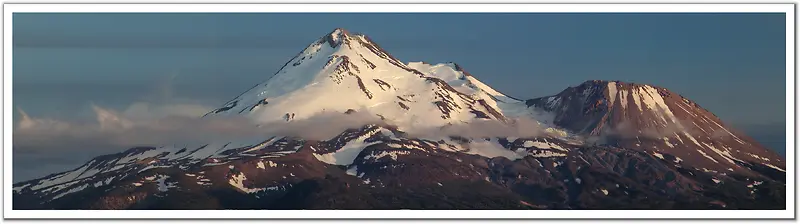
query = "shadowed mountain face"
x=441 y=139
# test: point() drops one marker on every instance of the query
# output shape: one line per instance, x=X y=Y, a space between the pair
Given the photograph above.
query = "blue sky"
x=731 y=64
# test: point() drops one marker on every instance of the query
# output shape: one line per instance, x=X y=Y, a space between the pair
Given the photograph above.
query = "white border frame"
x=788 y=9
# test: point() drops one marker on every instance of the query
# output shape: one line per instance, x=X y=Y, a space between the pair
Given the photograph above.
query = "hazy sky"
x=731 y=64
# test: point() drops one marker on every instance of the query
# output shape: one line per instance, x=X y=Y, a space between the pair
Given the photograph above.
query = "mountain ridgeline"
x=599 y=145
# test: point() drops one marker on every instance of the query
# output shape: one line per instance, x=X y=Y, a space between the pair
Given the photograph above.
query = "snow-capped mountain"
x=591 y=146
x=651 y=118
x=344 y=71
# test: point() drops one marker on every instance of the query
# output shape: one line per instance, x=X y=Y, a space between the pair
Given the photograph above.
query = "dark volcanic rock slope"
x=612 y=145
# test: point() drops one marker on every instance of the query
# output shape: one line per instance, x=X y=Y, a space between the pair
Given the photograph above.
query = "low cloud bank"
x=519 y=127
x=143 y=124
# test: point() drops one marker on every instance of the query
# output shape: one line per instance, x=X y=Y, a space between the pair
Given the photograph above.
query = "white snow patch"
x=724 y=154
x=17 y=189
x=544 y=153
x=666 y=141
x=543 y=145
x=774 y=167
x=405 y=146
x=653 y=100
x=636 y=98
x=353 y=171
x=758 y=157
x=237 y=181
x=382 y=154
x=706 y=155
x=659 y=155
x=346 y=155
x=60 y=179
x=612 y=91
x=70 y=191
x=162 y=185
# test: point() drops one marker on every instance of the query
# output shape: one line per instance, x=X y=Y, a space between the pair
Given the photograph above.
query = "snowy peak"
x=457 y=77
x=647 y=117
x=622 y=144
x=337 y=37
x=344 y=71
x=602 y=103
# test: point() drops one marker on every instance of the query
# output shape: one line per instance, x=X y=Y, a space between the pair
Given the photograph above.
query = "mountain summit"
x=443 y=140
x=647 y=117
x=343 y=71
